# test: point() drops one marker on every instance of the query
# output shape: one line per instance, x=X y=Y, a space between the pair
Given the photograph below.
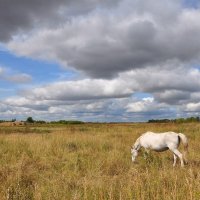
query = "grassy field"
x=93 y=161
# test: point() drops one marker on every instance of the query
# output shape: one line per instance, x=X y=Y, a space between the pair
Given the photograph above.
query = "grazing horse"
x=161 y=142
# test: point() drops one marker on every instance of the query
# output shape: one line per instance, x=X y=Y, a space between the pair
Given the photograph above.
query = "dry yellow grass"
x=93 y=161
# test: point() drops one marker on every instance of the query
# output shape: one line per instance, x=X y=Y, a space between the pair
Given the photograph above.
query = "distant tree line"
x=67 y=122
x=30 y=120
x=178 y=120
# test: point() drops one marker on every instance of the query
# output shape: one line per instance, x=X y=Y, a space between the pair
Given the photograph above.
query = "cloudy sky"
x=99 y=60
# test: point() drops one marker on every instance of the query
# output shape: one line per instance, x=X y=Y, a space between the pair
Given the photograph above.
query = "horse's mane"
x=137 y=144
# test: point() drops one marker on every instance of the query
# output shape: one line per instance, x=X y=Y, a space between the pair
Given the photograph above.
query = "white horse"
x=161 y=142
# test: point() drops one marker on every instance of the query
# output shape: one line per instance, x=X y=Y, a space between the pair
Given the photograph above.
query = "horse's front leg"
x=146 y=153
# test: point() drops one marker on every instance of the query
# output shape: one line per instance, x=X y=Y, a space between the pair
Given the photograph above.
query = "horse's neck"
x=137 y=144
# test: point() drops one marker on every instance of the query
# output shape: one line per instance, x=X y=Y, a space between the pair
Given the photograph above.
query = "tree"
x=30 y=120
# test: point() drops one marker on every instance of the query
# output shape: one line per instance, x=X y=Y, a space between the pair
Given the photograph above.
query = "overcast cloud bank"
x=121 y=49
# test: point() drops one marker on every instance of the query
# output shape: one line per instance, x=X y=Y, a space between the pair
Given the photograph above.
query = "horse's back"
x=169 y=136
x=169 y=133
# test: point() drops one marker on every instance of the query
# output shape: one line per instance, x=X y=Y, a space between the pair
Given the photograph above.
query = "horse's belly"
x=161 y=149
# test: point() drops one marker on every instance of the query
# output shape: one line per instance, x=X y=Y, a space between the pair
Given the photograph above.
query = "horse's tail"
x=185 y=144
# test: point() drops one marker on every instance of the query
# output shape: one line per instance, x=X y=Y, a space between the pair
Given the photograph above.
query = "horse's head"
x=134 y=153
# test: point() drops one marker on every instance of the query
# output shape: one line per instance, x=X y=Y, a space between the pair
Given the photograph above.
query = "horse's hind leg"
x=179 y=154
x=175 y=158
x=185 y=158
